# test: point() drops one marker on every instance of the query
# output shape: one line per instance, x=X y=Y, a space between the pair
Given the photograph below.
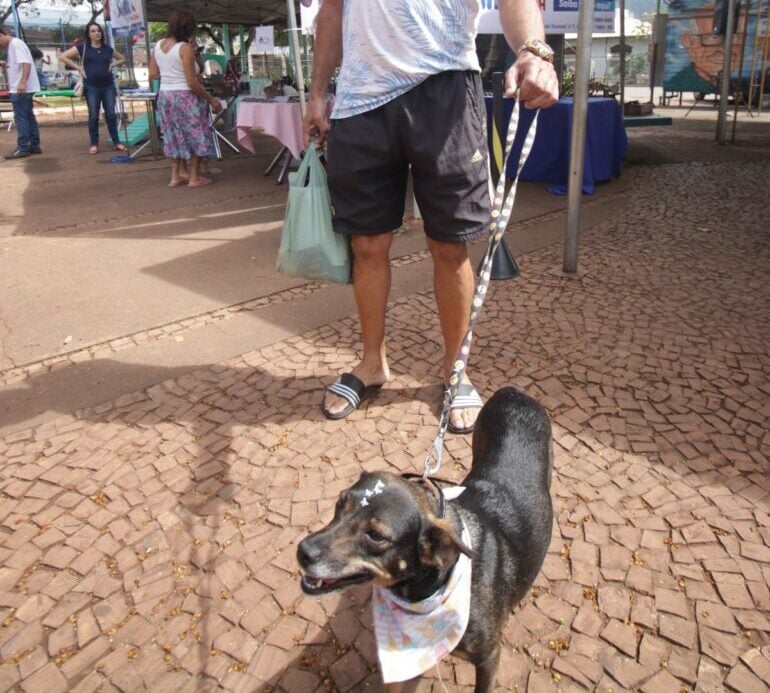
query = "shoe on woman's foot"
x=94 y=149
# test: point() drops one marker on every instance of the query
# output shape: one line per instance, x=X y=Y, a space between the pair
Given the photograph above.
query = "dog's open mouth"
x=313 y=585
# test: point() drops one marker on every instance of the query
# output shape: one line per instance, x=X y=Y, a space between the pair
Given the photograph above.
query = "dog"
x=390 y=531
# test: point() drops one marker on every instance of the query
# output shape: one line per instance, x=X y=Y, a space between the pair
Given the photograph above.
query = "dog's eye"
x=375 y=537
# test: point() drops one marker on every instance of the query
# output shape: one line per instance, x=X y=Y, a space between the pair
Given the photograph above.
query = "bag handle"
x=317 y=172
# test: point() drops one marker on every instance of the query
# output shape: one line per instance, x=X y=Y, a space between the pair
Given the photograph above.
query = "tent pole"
x=294 y=38
x=577 y=145
x=146 y=29
x=622 y=56
x=724 y=92
x=16 y=20
x=654 y=55
x=739 y=85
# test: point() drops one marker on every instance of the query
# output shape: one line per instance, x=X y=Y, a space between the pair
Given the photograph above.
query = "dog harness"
x=412 y=637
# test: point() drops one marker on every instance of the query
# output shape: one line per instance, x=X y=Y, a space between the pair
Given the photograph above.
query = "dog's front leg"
x=486 y=671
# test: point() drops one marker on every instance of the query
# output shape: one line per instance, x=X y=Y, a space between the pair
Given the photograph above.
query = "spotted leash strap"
x=501 y=214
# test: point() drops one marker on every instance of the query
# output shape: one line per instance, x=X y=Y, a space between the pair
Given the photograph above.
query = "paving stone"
x=678 y=630
x=672 y=602
x=48 y=679
x=715 y=616
x=722 y=647
x=662 y=682
x=621 y=636
x=741 y=678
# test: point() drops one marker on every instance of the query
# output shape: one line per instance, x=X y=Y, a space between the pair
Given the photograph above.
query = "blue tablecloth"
x=549 y=160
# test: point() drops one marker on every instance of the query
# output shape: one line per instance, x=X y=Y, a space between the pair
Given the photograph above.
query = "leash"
x=501 y=214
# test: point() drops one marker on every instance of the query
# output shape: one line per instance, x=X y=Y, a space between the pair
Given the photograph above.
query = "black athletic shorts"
x=439 y=127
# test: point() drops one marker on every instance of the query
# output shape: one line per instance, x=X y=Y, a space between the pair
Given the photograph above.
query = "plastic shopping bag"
x=309 y=246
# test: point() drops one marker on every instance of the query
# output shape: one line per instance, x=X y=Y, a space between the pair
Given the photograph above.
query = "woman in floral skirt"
x=182 y=102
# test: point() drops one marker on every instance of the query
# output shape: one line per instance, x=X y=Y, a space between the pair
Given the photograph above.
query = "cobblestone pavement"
x=149 y=542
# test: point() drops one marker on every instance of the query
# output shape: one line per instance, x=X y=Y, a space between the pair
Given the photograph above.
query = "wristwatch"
x=539 y=48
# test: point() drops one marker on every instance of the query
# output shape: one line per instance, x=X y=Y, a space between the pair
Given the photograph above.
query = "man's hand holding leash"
x=535 y=79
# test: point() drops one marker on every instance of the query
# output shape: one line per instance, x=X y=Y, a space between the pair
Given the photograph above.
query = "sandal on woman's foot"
x=200 y=182
x=119 y=148
x=467 y=397
x=177 y=183
x=352 y=390
x=93 y=149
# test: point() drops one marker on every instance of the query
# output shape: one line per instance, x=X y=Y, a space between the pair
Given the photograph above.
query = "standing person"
x=40 y=59
x=182 y=102
x=96 y=62
x=411 y=95
x=22 y=83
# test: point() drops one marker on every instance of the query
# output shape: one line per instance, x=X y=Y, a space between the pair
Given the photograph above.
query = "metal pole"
x=292 y=17
x=654 y=55
x=16 y=20
x=577 y=146
x=764 y=62
x=622 y=56
x=739 y=81
x=754 y=55
x=724 y=92
x=146 y=30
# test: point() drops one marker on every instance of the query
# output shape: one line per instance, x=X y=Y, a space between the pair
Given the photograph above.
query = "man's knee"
x=372 y=248
x=450 y=254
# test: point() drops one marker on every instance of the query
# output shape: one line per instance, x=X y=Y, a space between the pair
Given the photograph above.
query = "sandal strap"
x=349 y=387
x=467 y=397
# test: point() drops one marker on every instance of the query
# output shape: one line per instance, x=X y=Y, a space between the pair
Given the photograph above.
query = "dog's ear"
x=440 y=546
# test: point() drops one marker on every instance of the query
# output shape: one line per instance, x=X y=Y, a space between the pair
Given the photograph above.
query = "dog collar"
x=442 y=494
x=412 y=637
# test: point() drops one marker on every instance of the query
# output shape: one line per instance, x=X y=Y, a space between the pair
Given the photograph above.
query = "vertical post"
x=16 y=21
x=622 y=56
x=242 y=50
x=724 y=92
x=739 y=81
x=577 y=145
x=146 y=28
x=227 y=41
x=63 y=37
x=294 y=38
x=654 y=54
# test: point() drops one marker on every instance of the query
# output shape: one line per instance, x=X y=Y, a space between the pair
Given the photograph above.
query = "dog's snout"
x=308 y=552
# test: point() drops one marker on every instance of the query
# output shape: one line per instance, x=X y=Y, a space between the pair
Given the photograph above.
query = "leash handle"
x=501 y=214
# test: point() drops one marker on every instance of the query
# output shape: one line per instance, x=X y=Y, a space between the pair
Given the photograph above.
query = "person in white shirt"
x=409 y=95
x=22 y=83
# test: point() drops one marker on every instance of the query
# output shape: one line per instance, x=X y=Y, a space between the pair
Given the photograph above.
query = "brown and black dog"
x=396 y=537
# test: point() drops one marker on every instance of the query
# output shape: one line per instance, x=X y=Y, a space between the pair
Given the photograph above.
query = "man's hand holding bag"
x=309 y=247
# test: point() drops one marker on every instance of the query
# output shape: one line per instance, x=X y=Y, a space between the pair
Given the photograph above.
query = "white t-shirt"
x=171 y=69
x=390 y=46
x=18 y=54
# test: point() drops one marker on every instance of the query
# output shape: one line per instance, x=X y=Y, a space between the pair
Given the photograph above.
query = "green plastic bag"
x=309 y=246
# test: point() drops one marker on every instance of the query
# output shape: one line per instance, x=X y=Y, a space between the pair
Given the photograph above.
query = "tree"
x=6 y=8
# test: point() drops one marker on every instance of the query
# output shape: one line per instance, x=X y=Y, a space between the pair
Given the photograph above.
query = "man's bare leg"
x=371 y=286
x=453 y=284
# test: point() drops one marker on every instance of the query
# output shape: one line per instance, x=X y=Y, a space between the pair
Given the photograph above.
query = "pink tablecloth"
x=281 y=120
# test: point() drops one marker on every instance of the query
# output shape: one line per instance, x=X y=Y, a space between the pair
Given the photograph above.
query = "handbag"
x=309 y=246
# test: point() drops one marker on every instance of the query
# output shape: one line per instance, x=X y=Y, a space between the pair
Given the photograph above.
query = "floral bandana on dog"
x=414 y=636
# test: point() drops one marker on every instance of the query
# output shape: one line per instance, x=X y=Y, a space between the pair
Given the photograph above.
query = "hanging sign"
x=559 y=16
x=263 y=39
x=127 y=17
